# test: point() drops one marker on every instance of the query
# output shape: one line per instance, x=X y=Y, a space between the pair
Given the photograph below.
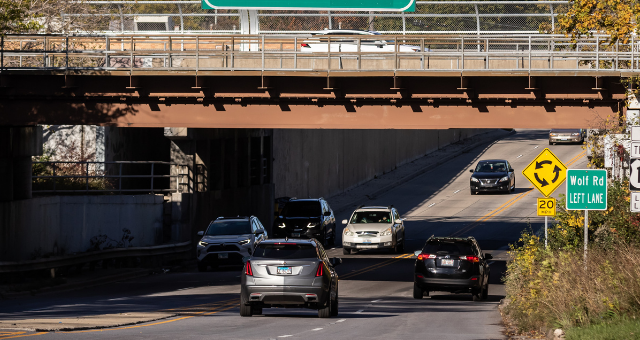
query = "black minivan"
x=451 y=264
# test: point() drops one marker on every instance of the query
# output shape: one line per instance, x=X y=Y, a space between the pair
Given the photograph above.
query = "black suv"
x=451 y=264
x=306 y=218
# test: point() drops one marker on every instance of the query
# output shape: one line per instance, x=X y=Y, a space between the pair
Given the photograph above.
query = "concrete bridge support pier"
x=17 y=146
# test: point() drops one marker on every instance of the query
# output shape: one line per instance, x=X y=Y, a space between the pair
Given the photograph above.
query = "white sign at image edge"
x=635 y=202
x=635 y=133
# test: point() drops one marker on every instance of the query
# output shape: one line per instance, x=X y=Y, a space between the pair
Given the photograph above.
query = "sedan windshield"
x=371 y=217
x=285 y=251
x=491 y=167
x=229 y=228
x=302 y=209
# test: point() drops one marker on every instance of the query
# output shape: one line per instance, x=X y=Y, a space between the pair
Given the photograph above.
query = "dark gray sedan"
x=495 y=175
x=289 y=273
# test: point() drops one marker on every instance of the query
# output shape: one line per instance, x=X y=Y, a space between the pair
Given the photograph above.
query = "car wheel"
x=485 y=292
x=334 y=306
x=346 y=251
x=202 y=267
x=326 y=311
x=477 y=294
x=418 y=293
x=401 y=246
x=244 y=309
x=332 y=243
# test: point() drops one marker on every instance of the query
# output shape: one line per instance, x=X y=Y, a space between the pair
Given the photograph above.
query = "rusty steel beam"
x=314 y=100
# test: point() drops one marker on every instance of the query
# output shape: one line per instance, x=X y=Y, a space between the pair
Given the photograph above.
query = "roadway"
x=375 y=287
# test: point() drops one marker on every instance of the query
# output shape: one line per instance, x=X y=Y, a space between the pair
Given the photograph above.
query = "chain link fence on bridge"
x=429 y=17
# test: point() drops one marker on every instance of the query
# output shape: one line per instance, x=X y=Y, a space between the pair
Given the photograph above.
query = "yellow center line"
x=20 y=335
x=228 y=305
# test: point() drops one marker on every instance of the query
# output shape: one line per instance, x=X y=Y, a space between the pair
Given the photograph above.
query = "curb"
x=419 y=172
x=78 y=285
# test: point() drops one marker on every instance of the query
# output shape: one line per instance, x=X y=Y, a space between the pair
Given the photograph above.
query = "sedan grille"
x=222 y=247
x=488 y=181
x=367 y=233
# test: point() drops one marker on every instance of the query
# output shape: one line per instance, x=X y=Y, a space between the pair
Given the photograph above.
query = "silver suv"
x=289 y=273
x=228 y=240
x=373 y=228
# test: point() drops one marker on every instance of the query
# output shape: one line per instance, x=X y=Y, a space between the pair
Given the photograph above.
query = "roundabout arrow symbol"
x=543 y=182
x=557 y=171
x=540 y=164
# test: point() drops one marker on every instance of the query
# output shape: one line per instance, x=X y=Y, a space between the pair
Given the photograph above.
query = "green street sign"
x=314 y=5
x=586 y=189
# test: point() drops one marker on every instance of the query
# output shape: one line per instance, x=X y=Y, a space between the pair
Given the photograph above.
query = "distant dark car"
x=451 y=264
x=566 y=136
x=306 y=218
x=493 y=175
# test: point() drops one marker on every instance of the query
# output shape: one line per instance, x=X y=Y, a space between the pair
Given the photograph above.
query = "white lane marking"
x=284 y=336
x=519 y=156
x=316 y=329
x=377 y=300
x=342 y=320
x=431 y=205
x=360 y=311
x=457 y=191
x=536 y=146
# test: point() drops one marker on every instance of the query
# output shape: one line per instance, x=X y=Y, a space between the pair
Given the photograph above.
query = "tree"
x=16 y=17
x=616 y=18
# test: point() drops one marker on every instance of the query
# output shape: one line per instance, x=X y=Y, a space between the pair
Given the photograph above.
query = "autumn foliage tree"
x=616 y=18
x=16 y=17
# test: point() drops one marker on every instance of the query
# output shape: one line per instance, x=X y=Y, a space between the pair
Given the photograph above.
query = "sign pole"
x=545 y=231
x=586 y=236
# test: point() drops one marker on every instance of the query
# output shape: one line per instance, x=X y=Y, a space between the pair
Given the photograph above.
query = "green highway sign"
x=586 y=189
x=314 y=5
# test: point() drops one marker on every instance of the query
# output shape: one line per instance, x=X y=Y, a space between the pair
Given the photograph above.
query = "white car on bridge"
x=345 y=42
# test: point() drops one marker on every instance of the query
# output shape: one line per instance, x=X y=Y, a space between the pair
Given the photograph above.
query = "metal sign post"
x=546 y=208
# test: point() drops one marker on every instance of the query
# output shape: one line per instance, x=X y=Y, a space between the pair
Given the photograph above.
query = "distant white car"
x=320 y=43
x=373 y=227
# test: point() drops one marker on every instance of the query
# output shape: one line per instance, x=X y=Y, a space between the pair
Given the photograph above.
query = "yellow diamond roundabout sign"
x=546 y=172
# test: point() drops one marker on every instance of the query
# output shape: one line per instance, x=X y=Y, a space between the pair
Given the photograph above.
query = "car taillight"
x=248 y=270
x=423 y=256
x=470 y=258
x=304 y=45
x=319 y=271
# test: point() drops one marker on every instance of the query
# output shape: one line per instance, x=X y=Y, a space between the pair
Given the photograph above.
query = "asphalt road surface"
x=375 y=287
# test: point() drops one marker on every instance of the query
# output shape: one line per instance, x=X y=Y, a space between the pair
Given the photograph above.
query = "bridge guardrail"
x=71 y=260
x=198 y=53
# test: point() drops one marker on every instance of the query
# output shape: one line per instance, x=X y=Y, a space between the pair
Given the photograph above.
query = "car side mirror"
x=488 y=256
x=259 y=231
x=511 y=170
x=417 y=252
x=336 y=261
x=344 y=221
x=470 y=170
x=201 y=233
x=327 y=213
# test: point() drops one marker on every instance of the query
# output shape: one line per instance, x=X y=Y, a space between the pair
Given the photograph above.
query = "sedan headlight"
x=386 y=232
x=281 y=225
x=575 y=134
x=312 y=225
x=348 y=232
x=504 y=179
x=473 y=179
x=553 y=134
x=203 y=243
x=243 y=242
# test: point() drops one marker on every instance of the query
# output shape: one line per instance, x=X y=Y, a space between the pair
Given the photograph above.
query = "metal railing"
x=430 y=16
x=197 y=53
x=83 y=177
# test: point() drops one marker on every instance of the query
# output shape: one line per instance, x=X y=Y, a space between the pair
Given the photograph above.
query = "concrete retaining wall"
x=315 y=163
x=60 y=225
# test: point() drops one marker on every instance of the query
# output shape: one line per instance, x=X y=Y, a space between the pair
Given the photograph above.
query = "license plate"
x=446 y=262
x=366 y=241
x=223 y=255
x=564 y=139
x=284 y=270
x=295 y=234
x=366 y=246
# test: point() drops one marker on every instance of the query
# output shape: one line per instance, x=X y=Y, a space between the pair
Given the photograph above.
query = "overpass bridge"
x=272 y=81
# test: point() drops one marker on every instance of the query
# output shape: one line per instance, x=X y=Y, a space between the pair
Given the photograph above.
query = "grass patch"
x=624 y=328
